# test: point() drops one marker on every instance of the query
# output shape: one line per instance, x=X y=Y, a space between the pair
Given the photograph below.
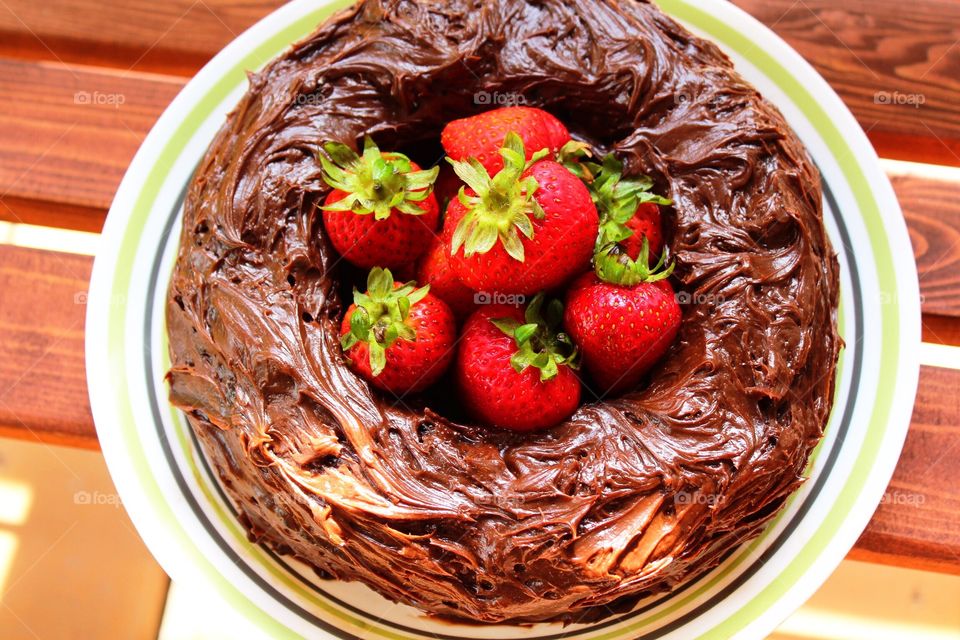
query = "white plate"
x=183 y=516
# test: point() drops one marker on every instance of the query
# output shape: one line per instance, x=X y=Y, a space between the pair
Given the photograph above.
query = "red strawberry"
x=382 y=211
x=529 y=228
x=629 y=211
x=481 y=136
x=623 y=318
x=557 y=133
x=397 y=337
x=645 y=223
x=435 y=270
x=514 y=371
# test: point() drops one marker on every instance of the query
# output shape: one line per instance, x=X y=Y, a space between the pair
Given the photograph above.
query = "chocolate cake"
x=633 y=494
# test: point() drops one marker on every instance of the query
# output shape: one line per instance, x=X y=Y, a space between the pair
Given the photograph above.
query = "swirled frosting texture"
x=631 y=495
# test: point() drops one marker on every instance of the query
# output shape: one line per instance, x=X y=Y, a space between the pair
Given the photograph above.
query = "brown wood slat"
x=43 y=395
x=51 y=214
x=918 y=522
x=43 y=392
x=176 y=36
x=941 y=329
x=932 y=210
x=894 y=64
x=861 y=47
x=67 y=134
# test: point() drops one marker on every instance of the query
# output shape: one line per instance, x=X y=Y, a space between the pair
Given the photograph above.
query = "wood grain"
x=43 y=392
x=60 y=215
x=941 y=330
x=67 y=134
x=176 y=36
x=894 y=65
x=918 y=522
x=932 y=210
x=43 y=396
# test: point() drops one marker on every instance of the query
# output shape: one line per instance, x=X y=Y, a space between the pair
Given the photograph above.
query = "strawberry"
x=481 y=136
x=531 y=227
x=629 y=211
x=623 y=317
x=514 y=370
x=382 y=211
x=645 y=223
x=397 y=337
x=434 y=269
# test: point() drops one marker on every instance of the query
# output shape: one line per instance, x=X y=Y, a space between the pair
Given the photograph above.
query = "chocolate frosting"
x=633 y=494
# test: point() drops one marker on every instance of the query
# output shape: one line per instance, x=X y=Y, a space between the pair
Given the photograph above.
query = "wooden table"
x=82 y=81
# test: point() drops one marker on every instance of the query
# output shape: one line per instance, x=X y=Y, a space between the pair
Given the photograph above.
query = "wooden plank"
x=61 y=215
x=43 y=395
x=67 y=134
x=892 y=67
x=935 y=148
x=941 y=329
x=43 y=392
x=932 y=210
x=176 y=36
x=918 y=522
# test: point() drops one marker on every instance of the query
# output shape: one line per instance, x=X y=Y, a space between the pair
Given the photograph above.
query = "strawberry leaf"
x=506 y=325
x=374 y=182
x=524 y=332
x=472 y=173
x=612 y=264
x=573 y=155
x=511 y=244
x=616 y=197
x=500 y=208
x=538 y=343
x=380 y=316
x=378 y=358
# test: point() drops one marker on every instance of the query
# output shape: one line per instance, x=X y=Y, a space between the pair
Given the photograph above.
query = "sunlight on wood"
x=48 y=238
x=15 y=501
x=921 y=170
x=940 y=355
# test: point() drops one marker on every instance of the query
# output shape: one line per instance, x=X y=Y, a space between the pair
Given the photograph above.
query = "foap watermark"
x=909 y=498
x=499 y=98
x=890 y=297
x=685 y=297
x=504 y=502
x=97 y=499
x=312 y=99
x=681 y=97
x=695 y=497
x=82 y=297
x=99 y=98
x=495 y=297
x=897 y=98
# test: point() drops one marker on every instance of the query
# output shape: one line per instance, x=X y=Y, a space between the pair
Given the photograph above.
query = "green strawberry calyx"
x=375 y=182
x=539 y=343
x=380 y=316
x=500 y=207
x=617 y=198
x=612 y=264
x=573 y=156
